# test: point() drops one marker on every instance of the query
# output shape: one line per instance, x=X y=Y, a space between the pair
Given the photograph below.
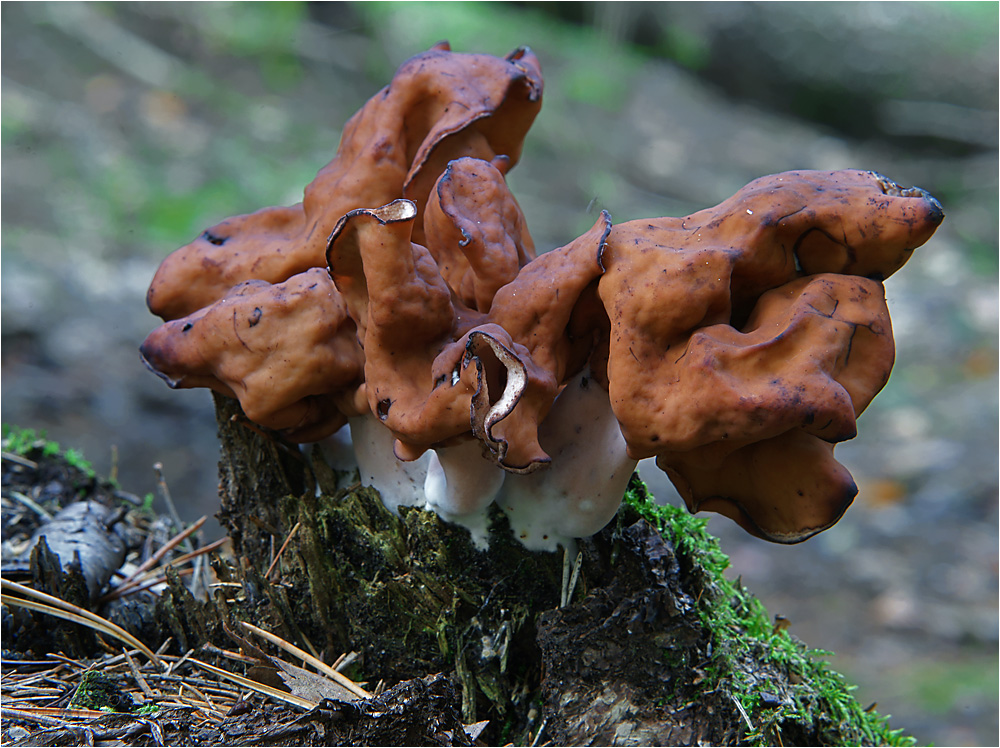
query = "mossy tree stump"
x=656 y=646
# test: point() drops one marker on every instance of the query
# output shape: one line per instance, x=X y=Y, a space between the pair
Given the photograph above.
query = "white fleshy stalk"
x=400 y=483
x=581 y=489
x=460 y=486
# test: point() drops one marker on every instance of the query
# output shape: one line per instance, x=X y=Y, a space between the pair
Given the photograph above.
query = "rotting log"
x=656 y=646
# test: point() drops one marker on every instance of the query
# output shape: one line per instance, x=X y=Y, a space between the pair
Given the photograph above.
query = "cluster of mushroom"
x=403 y=296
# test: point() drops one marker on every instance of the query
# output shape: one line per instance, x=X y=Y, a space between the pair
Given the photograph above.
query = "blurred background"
x=127 y=128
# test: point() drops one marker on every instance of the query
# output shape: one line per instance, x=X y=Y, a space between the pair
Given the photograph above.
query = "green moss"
x=796 y=689
x=28 y=443
x=100 y=691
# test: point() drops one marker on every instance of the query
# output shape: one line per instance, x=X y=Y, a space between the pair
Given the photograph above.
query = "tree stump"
x=655 y=645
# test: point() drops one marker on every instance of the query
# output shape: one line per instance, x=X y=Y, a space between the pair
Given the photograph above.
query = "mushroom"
x=784 y=489
x=737 y=345
x=288 y=352
x=670 y=277
x=440 y=105
x=405 y=320
x=524 y=353
x=812 y=355
x=579 y=492
x=808 y=362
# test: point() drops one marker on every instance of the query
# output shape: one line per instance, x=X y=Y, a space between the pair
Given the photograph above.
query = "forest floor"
x=127 y=129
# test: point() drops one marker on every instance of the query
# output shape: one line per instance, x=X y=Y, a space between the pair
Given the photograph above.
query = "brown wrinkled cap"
x=476 y=231
x=405 y=319
x=812 y=356
x=288 y=352
x=525 y=351
x=747 y=425
x=669 y=277
x=771 y=231
x=744 y=330
x=440 y=105
x=784 y=489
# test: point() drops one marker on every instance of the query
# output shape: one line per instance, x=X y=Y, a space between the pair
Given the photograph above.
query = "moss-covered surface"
x=747 y=646
x=657 y=646
x=32 y=444
x=100 y=691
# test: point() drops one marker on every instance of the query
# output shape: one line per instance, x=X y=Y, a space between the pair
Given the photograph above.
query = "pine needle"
x=255 y=686
x=53 y=606
x=340 y=678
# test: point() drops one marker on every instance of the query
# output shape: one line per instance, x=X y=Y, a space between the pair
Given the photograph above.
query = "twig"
x=342 y=679
x=576 y=576
x=281 y=550
x=203 y=697
x=344 y=661
x=538 y=735
x=32 y=505
x=565 y=578
x=212 y=649
x=161 y=485
x=156 y=557
x=255 y=686
x=178 y=663
x=140 y=587
x=743 y=712
x=165 y=646
x=154 y=730
x=21 y=715
x=67 y=660
x=11 y=457
x=55 y=711
x=136 y=578
x=146 y=690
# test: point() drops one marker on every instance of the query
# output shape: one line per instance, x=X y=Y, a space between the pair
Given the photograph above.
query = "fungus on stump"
x=720 y=340
x=736 y=345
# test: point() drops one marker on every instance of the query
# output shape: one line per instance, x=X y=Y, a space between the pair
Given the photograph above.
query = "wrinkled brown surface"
x=758 y=322
x=476 y=231
x=425 y=375
x=405 y=318
x=288 y=352
x=440 y=105
x=812 y=356
x=533 y=315
x=784 y=489
x=738 y=325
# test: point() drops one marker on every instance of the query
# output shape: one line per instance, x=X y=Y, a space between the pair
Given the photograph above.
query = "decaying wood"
x=623 y=663
x=613 y=644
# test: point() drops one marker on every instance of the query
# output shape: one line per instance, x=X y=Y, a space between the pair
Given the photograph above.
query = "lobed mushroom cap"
x=406 y=321
x=439 y=106
x=812 y=356
x=476 y=231
x=784 y=489
x=288 y=352
x=525 y=351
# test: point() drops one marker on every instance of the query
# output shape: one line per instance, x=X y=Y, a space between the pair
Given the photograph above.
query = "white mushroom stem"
x=581 y=489
x=400 y=483
x=575 y=496
x=460 y=485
